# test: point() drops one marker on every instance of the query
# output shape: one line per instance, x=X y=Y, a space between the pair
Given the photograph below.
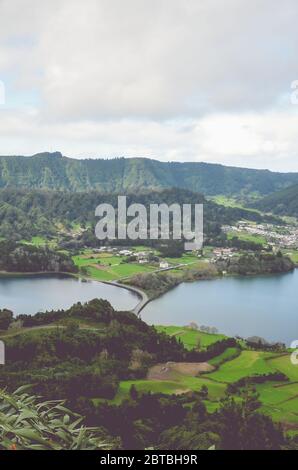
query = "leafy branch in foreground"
x=28 y=423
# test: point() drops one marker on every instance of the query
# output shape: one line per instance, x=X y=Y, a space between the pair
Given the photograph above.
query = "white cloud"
x=169 y=79
x=264 y=140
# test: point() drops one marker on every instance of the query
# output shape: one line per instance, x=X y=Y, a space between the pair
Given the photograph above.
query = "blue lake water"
x=265 y=306
x=36 y=293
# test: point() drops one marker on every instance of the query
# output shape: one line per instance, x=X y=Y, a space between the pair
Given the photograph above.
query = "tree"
x=6 y=317
x=71 y=326
x=171 y=249
x=179 y=437
x=204 y=392
x=244 y=428
x=199 y=343
x=133 y=393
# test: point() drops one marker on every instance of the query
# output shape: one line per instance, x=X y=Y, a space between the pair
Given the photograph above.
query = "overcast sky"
x=184 y=80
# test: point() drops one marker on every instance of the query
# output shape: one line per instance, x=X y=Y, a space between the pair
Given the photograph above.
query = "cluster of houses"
x=103 y=249
x=223 y=253
x=142 y=257
x=285 y=236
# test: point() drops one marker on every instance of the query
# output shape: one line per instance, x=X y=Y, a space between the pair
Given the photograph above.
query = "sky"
x=173 y=80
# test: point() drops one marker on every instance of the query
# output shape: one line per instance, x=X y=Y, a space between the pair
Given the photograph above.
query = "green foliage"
x=28 y=423
x=183 y=423
x=247 y=429
x=51 y=171
x=227 y=355
x=95 y=354
x=284 y=202
x=261 y=263
x=282 y=362
x=171 y=249
x=190 y=336
x=6 y=317
x=45 y=214
x=27 y=258
x=67 y=361
x=246 y=364
x=182 y=438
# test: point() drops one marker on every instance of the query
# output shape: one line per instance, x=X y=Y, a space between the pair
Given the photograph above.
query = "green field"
x=246 y=364
x=184 y=259
x=108 y=267
x=280 y=401
x=227 y=355
x=293 y=255
x=180 y=384
x=277 y=393
x=227 y=201
x=249 y=237
x=143 y=386
x=284 y=364
x=189 y=336
x=40 y=241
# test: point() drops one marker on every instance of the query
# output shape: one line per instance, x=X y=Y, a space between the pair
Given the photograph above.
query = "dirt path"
x=167 y=370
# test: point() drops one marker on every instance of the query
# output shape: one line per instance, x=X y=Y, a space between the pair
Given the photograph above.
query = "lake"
x=265 y=306
x=36 y=293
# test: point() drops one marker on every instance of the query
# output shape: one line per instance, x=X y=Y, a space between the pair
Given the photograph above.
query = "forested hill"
x=52 y=171
x=283 y=202
x=26 y=213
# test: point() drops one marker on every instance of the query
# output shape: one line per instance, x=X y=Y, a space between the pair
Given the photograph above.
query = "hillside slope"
x=26 y=213
x=283 y=202
x=52 y=171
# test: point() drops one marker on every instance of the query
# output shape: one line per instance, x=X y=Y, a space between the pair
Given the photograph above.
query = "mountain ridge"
x=48 y=170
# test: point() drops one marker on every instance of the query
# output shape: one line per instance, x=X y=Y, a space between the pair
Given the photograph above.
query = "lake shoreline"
x=7 y=274
x=214 y=277
x=145 y=297
x=246 y=306
x=29 y=293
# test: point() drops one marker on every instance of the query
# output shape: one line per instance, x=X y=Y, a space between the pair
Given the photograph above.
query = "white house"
x=125 y=252
x=163 y=264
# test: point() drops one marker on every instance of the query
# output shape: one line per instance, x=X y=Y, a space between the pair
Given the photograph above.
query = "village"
x=276 y=236
x=141 y=257
x=120 y=262
x=109 y=263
